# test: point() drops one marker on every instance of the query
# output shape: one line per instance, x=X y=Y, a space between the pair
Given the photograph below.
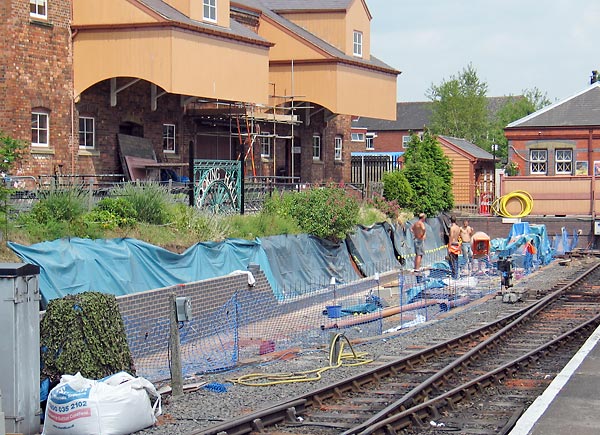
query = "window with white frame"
x=169 y=138
x=357 y=46
x=265 y=145
x=405 y=141
x=357 y=137
x=538 y=162
x=40 y=129
x=38 y=8
x=564 y=161
x=210 y=10
x=370 y=141
x=87 y=132
x=316 y=147
x=337 y=148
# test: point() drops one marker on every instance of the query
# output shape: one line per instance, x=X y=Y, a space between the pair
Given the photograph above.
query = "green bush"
x=120 y=209
x=280 y=204
x=390 y=208
x=101 y=219
x=326 y=212
x=60 y=205
x=396 y=188
x=151 y=201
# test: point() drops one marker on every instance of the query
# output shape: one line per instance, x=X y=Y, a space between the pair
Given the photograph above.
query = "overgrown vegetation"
x=328 y=212
x=11 y=151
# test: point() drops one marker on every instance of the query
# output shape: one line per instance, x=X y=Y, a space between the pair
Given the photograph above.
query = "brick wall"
x=133 y=107
x=36 y=72
x=146 y=314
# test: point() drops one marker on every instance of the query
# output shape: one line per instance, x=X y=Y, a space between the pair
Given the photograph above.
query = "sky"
x=514 y=45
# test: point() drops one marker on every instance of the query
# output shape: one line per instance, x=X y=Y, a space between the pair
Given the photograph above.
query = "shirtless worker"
x=466 y=234
x=418 y=231
x=453 y=246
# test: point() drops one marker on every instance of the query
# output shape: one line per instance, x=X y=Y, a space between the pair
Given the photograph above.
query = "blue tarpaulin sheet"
x=126 y=266
x=372 y=249
x=301 y=263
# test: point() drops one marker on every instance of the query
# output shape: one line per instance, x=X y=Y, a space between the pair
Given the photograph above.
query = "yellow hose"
x=524 y=198
x=266 y=379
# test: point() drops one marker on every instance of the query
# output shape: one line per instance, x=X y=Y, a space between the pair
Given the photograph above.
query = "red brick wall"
x=327 y=168
x=36 y=71
x=133 y=106
x=580 y=139
x=389 y=141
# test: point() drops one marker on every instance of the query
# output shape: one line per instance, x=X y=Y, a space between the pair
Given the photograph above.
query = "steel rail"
x=288 y=411
x=426 y=388
x=417 y=414
x=316 y=398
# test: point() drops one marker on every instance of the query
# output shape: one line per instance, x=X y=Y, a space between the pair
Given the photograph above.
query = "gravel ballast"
x=204 y=407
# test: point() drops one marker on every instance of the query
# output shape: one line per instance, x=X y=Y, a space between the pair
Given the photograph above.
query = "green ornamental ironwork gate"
x=218 y=186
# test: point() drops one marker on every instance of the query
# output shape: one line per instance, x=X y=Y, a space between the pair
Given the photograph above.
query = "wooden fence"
x=554 y=195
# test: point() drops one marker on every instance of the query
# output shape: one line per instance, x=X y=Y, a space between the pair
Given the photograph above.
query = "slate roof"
x=469 y=147
x=581 y=109
x=413 y=116
x=170 y=13
x=263 y=6
x=409 y=116
x=299 y=5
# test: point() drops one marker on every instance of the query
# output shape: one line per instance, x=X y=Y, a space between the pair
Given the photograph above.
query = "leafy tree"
x=516 y=108
x=397 y=188
x=429 y=173
x=460 y=107
x=11 y=151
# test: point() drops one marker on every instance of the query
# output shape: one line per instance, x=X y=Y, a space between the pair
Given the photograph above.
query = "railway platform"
x=571 y=403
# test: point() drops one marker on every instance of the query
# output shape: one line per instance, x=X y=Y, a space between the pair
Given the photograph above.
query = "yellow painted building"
x=269 y=82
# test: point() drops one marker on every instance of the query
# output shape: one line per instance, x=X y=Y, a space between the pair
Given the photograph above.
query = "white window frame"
x=265 y=145
x=563 y=161
x=357 y=137
x=338 y=148
x=357 y=43
x=209 y=10
x=36 y=130
x=405 y=140
x=169 y=138
x=370 y=141
x=89 y=128
x=538 y=162
x=316 y=147
x=35 y=6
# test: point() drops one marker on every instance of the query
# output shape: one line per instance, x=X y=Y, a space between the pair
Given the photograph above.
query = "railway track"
x=504 y=365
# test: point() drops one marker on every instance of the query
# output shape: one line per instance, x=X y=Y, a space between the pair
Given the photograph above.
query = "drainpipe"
x=74 y=97
x=591 y=164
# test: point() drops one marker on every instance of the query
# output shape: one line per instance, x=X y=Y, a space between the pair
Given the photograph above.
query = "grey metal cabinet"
x=20 y=347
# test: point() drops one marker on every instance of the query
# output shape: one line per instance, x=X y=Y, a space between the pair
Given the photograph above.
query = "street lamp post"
x=494 y=148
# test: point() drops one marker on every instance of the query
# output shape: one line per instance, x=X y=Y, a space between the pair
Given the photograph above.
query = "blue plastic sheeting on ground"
x=520 y=235
x=302 y=263
x=372 y=249
x=126 y=266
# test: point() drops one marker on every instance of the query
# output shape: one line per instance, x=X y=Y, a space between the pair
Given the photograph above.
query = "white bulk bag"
x=116 y=405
